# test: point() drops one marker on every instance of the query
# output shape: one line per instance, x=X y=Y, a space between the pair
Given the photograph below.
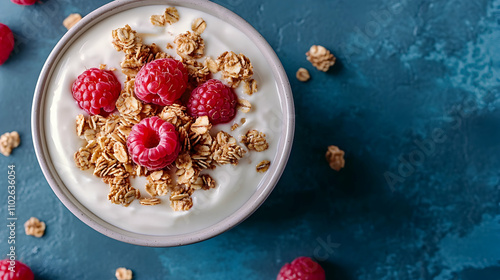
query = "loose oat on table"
x=71 y=20
x=8 y=142
x=243 y=120
x=320 y=57
x=189 y=45
x=244 y=105
x=34 y=227
x=335 y=157
x=263 y=166
x=250 y=86
x=255 y=140
x=234 y=126
x=303 y=75
x=198 y=25
x=123 y=274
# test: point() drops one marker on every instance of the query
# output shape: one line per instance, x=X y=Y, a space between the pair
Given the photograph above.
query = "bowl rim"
x=98 y=224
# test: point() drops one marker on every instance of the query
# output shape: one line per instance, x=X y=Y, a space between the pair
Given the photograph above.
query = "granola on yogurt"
x=202 y=147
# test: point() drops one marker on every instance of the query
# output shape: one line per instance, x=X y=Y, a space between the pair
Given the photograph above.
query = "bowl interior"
x=50 y=170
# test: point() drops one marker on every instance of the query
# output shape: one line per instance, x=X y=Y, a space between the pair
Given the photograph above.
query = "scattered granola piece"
x=250 y=86
x=244 y=105
x=198 y=72
x=123 y=274
x=180 y=198
x=234 y=126
x=171 y=15
x=320 y=57
x=243 y=120
x=208 y=182
x=189 y=45
x=83 y=159
x=34 y=227
x=158 y=20
x=263 y=166
x=303 y=75
x=8 y=142
x=226 y=150
x=80 y=124
x=120 y=152
x=158 y=186
x=235 y=68
x=125 y=39
x=71 y=20
x=212 y=65
x=150 y=201
x=255 y=140
x=335 y=157
x=198 y=26
x=170 y=46
x=201 y=125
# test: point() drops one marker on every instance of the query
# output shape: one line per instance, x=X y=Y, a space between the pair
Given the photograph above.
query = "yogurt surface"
x=235 y=184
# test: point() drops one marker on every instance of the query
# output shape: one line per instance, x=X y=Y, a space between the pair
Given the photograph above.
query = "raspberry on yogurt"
x=6 y=42
x=161 y=81
x=213 y=99
x=153 y=143
x=96 y=91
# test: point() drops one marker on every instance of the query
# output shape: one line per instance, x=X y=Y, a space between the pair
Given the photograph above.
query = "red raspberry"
x=161 y=81
x=96 y=91
x=302 y=268
x=213 y=99
x=24 y=2
x=21 y=271
x=6 y=42
x=153 y=143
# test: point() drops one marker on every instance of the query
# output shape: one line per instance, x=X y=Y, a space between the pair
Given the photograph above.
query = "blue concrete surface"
x=413 y=100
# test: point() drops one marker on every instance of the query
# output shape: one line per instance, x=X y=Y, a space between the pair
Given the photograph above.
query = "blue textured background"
x=410 y=74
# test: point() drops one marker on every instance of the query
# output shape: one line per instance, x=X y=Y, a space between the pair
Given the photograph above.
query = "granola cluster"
x=170 y=16
x=8 y=142
x=303 y=75
x=335 y=157
x=320 y=57
x=189 y=45
x=123 y=274
x=34 y=227
x=255 y=140
x=105 y=150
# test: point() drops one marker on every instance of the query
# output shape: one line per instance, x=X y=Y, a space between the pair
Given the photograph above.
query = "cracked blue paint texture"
x=413 y=100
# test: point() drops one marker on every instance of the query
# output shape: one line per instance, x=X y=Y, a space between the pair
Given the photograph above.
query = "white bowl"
x=266 y=185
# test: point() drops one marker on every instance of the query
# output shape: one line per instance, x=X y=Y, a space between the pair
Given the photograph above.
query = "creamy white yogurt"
x=235 y=184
